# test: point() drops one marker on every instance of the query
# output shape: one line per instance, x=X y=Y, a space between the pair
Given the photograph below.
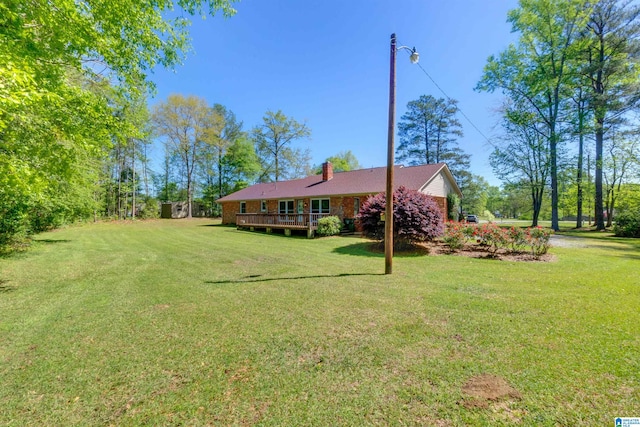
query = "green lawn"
x=180 y=322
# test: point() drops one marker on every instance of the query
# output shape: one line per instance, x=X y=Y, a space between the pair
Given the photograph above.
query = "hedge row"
x=493 y=237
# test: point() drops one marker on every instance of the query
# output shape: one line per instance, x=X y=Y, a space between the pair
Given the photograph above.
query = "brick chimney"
x=327 y=171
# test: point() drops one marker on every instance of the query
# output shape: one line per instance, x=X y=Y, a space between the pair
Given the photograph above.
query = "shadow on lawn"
x=52 y=241
x=6 y=288
x=376 y=250
x=258 y=278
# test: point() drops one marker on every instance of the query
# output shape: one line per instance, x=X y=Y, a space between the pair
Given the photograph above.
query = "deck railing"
x=308 y=221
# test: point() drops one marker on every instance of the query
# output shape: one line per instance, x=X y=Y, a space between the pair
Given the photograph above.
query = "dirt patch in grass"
x=483 y=389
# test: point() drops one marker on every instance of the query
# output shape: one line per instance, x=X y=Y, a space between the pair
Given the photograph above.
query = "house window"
x=243 y=207
x=320 y=206
x=285 y=207
x=263 y=205
x=356 y=206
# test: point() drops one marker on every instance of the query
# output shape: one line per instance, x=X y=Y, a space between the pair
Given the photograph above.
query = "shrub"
x=538 y=240
x=416 y=217
x=493 y=236
x=454 y=235
x=517 y=239
x=329 y=226
x=627 y=225
x=453 y=207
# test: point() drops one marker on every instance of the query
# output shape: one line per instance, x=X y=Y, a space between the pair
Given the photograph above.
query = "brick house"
x=297 y=204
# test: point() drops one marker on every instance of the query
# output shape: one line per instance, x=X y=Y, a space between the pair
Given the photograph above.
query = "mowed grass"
x=183 y=322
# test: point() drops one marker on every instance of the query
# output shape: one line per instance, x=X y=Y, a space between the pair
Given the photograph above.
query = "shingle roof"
x=362 y=181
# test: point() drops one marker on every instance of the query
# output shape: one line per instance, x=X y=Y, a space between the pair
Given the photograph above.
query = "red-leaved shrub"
x=416 y=217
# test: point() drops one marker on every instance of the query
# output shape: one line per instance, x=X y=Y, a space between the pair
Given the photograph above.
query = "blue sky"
x=327 y=63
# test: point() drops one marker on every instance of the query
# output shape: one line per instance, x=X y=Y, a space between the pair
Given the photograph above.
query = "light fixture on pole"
x=388 y=223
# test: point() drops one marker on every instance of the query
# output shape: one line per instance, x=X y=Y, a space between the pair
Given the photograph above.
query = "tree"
x=187 y=125
x=523 y=155
x=621 y=162
x=416 y=217
x=474 y=192
x=428 y=133
x=580 y=123
x=540 y=69
x=613 y=54
x=273 y=144
x=61 y=64
x=344 y=161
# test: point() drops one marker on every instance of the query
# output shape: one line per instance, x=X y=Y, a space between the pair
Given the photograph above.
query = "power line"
x=459 y=109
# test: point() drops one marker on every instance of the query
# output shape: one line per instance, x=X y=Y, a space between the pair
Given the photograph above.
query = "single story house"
x=297 y=204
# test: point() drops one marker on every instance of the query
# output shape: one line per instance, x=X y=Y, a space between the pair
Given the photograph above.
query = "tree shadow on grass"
x=4 y=288
x=376 y=250
x=51 y=241
x=254 y=278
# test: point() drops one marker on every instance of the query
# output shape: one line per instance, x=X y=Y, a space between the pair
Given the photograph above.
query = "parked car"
x=472 y=218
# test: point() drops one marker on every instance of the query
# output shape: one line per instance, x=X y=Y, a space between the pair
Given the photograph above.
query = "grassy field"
x=185 y=322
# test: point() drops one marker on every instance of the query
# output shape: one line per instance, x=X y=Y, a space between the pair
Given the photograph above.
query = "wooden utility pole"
x=388 y=214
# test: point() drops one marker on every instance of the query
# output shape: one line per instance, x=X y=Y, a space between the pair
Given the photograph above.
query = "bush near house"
x=329 y=226
x=416 y=217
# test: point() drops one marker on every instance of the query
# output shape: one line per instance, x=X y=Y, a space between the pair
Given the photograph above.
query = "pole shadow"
x=255 y=278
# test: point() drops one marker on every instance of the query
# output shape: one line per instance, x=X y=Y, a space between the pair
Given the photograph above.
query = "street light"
x=388 y=223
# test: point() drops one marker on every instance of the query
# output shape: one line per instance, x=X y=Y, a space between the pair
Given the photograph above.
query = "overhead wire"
x=449 y=99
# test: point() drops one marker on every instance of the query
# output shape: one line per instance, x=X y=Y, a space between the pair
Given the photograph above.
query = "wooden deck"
x=307 y=221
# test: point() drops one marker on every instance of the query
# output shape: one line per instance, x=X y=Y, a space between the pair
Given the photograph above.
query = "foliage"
x=491 y=236
x=329 y=226
x=344 y=161
x=454 y=235
x=428 y=133
x=474 y=194
x=453 y=206
x=187 y=125
x=539 y=70
x=627 y=224
x=488 y=215
x=68 y=72
x=273 y=141
x=495 y=238
x=522 y=155
x=416 y=217
x=612 y=56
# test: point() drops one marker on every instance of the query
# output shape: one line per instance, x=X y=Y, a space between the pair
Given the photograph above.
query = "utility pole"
x=388 y=214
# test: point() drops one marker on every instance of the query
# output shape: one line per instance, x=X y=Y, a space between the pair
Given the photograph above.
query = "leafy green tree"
x=344 y=161
x=613 y=56
x=540 y=68
x=474 y=195
x=428 y=133
x=187 y=125
x=621 y=163
x=523 y=155
x=61 y=62
x=239 y=167
x=273 y=141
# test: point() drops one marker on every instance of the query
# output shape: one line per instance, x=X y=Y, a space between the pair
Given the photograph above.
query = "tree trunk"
x=580 y=166
x=599 y=208
x=554 y=182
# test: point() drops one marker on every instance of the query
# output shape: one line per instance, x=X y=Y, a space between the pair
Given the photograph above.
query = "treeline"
x=72 y=109
x=208 y=154
x=572 y=90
